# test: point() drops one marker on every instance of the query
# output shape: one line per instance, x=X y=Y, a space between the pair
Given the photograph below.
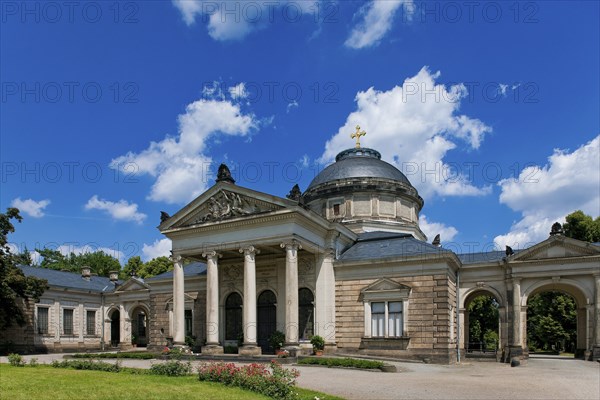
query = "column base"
x=513 y=353
x=250 y=350
x=212 y=349
x=293 y=349
x=595 y=356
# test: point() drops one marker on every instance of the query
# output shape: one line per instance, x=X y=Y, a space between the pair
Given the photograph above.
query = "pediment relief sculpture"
x=225 y=205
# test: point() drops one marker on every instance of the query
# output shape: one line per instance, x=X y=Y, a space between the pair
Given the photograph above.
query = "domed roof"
x=358 y=163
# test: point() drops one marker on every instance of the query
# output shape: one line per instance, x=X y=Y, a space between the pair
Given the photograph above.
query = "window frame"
x=93 y=323
x=45 y=331
x=385 y=291
x=72 y=322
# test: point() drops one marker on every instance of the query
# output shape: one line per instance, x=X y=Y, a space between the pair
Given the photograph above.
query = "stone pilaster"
x=249 y=313
x=212 y=304
x=291 y=293
x=325 y=292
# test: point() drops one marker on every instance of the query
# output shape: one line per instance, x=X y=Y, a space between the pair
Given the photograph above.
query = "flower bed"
x=273 y=381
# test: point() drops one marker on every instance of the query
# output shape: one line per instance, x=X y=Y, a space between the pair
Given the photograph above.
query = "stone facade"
x=430 y=333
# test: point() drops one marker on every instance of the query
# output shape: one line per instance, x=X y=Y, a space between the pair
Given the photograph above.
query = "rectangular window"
x=42 y=320
x=90 y=323
x=188 y=323
x=336 y=209
x=67 y=321
x=377 y=319
x=394 y=319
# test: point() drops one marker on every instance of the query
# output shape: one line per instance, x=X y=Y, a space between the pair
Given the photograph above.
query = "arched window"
x=233 y=316
x=305 y=313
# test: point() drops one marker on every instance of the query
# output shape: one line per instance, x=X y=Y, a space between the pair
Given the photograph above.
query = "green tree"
x=133 y=267
x=156 y=266
x=552 y=321
x=14 y=285
x=98 y=261
x=23 y=258
x=582 y=227
x=483 y=320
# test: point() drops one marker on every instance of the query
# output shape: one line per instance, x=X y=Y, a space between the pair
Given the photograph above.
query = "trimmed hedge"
x=342 y=362
x=131 y=355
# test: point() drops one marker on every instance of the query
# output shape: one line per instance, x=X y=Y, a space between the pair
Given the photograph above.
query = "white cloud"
x=120 y=210
x=430 y=229
x=31 y=207
x=376 y=21
x=160 y=247
x=544 y=195
x=292 y=104
x=238 y=91
x=234 y=20
x=414 y=126
x=178 y=164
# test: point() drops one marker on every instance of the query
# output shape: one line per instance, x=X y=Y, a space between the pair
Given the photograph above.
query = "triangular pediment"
x=132 y=285
x=224 y=202
x=385 y=284
x=558 y=246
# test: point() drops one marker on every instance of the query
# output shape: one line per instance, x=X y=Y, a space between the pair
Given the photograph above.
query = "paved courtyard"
x=540 y=378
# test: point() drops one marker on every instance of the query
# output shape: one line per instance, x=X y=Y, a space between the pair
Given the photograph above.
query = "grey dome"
x=358 y=163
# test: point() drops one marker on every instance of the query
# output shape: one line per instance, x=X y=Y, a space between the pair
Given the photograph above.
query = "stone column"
x=178 y=301
x=325 y=299
x=249 y=312
x=291 y=293
x=516 y=347
x=212 y=304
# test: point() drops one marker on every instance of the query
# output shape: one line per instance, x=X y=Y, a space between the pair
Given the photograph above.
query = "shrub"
x=277 y=340
x=342 y=362
x=230 y=349
x=33 y=362
x=317 y=342
x=16 y=360
x=172 y=368
x=87 y=365
x=276 y=383
x=190 y=341
x=131 y=355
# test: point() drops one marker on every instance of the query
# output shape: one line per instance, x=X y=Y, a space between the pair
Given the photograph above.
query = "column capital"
x=211 y=254
x=291 y=245
x=249 y=250
x=175 y=258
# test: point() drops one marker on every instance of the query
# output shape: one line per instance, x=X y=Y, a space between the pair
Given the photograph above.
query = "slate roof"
x=358 y=163
x=70 y=279
x=489 y=256
x=381 y=245
x=193 y=269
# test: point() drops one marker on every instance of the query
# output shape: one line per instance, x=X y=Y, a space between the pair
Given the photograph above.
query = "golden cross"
x=357 y=136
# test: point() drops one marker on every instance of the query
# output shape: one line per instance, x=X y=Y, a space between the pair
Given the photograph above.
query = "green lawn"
x=44 y=382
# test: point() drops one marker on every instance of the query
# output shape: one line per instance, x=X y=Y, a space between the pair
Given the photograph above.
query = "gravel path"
x=539 y=379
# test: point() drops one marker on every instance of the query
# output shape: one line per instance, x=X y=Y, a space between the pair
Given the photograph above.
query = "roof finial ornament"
x=357 y=136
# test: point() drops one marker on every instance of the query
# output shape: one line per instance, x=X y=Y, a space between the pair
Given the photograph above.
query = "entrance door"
x=267 y=319
x=115 y=329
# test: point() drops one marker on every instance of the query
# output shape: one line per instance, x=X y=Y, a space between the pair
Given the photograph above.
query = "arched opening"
x=482 y=324
x=233 y=317
x=305 y=313
x=139 y=327
x=552 y=324
x=115 y=328
x=266 y=319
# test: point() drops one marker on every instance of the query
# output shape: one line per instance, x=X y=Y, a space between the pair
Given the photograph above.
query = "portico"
x=256 y=245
